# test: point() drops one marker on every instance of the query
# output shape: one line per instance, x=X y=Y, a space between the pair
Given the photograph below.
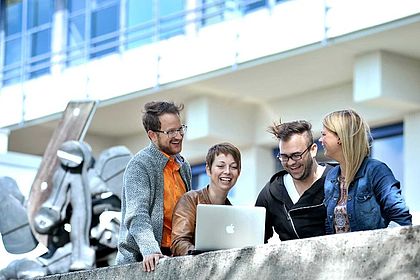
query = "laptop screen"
x=224 y=227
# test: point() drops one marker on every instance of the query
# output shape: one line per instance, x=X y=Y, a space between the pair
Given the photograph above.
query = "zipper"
x=291 y=221
x=295 y=209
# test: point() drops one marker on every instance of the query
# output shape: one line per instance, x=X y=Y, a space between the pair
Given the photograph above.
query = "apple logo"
x=230 y=229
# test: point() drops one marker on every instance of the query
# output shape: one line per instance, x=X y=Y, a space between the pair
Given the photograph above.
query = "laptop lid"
x=224 y=227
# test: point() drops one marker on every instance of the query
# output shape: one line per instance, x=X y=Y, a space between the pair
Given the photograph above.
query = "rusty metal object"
x=73 y=126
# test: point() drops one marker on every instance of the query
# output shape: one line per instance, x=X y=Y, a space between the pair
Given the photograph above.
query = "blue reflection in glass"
x=39 y=12
x=13 y=22
x=104 y=22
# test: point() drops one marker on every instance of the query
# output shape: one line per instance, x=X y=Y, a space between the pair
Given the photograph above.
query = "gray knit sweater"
x=142 y=204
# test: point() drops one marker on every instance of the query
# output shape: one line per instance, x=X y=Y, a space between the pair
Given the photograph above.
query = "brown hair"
x=153 y=110
x=226 y=149
x=283 y=131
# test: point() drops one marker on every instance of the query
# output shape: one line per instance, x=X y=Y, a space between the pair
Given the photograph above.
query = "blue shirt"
x=374 y=198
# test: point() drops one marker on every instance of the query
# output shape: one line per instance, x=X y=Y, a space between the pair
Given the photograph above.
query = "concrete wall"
x=381 y=254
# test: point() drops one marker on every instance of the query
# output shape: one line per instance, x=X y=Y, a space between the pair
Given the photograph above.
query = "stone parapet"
x=392 y=253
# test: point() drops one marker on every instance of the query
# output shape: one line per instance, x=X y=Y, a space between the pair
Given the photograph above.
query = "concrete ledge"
x=380 y=254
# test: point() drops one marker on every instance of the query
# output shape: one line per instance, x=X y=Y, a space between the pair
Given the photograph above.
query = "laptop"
x=225 y=227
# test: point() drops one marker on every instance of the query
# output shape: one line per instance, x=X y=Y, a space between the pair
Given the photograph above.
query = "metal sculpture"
x=85 y=197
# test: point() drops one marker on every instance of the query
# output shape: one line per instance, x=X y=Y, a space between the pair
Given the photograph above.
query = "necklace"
x=341 y=179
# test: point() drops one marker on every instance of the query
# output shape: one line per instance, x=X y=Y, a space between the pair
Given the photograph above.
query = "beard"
x=309 y=164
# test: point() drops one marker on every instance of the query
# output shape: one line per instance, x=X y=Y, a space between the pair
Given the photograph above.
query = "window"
x=76 y=32
x=251 y=5
x=139 y=22
x=388 y=147
x=199 y=176
x=93 y=29
x=171 y=18
x=212 y=11
x=150 y=20
x=39 y=23
x=104 y=32
x=27 y=28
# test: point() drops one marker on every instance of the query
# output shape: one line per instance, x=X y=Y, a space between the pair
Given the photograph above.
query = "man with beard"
x=154 y=179
x=293 y=197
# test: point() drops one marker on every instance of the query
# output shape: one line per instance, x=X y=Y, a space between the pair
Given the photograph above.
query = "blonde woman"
x=361 y=193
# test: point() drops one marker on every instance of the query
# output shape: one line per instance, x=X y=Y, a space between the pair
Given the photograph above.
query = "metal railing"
x=126 y=37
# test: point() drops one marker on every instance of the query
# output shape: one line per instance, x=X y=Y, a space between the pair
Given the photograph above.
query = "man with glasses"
x=154 y=179
x=293 y=197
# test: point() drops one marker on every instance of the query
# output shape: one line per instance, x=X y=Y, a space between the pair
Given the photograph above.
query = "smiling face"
x=223 y=172
x=331 y=143
x=170 y=146
x=297 y=144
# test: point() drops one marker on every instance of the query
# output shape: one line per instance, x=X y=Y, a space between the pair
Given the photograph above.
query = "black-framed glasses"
x=173 y=132
x=295 y=156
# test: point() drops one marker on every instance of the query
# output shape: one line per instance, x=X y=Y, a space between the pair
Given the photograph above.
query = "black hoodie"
x=304 y=219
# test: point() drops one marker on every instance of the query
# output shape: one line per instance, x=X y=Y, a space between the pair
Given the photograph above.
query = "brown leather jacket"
x=183 y=220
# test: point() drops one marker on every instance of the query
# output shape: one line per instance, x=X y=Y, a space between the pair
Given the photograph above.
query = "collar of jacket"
x=360 y=173
x=162 y=158
x=206 y=193
x=278 y=190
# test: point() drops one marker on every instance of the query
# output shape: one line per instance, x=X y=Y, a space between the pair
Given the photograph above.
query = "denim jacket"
x=374 y=198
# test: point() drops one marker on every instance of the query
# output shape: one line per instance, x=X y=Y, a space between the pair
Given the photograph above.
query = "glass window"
x=140 y=23
x=11 y=69
x=104 y=30
x=76 y=5
x=76 y=38
x=13 y=14
x=13 y=51
x=212 y=11
x=388 y=147
x=13 y=42
x=27 y=39
x=199 y=176
x=171 y=18
x=39 y=20
x=93 y=29
x=40 y=53
x=142 y=17
x=39 y=12
x=251 y=5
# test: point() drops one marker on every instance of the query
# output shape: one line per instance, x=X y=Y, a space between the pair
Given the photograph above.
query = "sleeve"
x=388 y=193
x=262 y=201
x=183 y=226
x=137 y=218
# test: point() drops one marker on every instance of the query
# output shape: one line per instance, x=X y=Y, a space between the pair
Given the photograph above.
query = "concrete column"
x=411 y=188
x=257 y=168
x=4 y=137
x=212 y=120
x=191 y=17
x=387 y=79
x=58 y=37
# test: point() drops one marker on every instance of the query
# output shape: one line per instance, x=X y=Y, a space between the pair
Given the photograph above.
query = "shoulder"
x=193 y=194
x=273 y=183
x=371 y=165
x=331 y=170
x=276 y=177
x=190 y=198
x=273 y=188
x=371 y=162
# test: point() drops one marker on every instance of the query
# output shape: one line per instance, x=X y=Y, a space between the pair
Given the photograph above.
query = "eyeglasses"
x=173 y=132
x=295 y=157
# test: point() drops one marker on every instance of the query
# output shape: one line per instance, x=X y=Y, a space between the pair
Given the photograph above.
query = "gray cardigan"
x=142 y=204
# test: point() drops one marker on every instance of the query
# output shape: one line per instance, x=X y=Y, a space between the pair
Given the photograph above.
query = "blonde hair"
x=354 y=134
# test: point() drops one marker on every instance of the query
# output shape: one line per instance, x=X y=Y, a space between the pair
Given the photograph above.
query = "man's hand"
x=150 y=261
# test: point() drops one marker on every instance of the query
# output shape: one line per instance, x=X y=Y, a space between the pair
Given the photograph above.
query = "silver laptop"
x=224 y=227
